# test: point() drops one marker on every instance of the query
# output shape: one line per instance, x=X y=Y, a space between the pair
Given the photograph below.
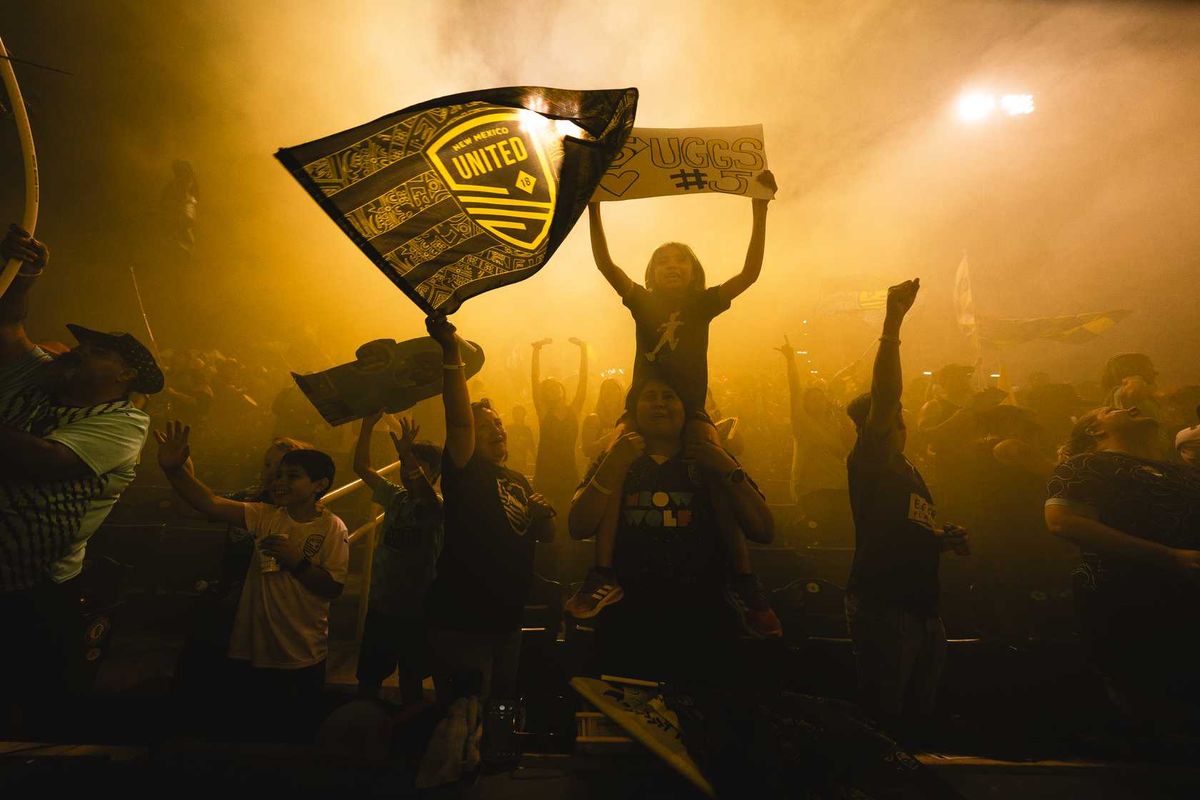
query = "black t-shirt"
x=668 y=558
x=556 y=473
x=896 y=551
x=1121 y=602
x=667 y=537
x=672 y=338
x=486 y=566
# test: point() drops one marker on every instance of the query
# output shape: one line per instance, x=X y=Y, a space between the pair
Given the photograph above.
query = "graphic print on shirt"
x=515 y=500
x=922 y=512
x=659 y=509
x=669 y=338
x=312 y=545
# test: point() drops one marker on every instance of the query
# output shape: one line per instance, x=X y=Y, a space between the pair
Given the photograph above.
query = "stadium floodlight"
x=976 y=106
x=1017 y=104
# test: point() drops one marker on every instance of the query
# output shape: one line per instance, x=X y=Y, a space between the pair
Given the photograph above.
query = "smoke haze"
x=1088 y=204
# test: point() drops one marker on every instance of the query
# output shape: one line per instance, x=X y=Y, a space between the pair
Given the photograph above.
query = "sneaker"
x=599 y=589
x=746 y=595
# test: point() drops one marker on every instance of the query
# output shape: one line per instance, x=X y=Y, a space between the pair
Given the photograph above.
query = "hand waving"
x=173 y=448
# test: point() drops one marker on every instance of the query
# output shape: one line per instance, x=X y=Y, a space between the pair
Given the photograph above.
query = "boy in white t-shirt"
x=299 y=565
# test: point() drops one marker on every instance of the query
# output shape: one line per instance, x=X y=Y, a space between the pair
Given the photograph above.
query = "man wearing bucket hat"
x=70 y=438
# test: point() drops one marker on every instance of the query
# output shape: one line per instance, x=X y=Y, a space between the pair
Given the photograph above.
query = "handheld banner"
x=384 y=376
x=463 y=194
x=655 y=162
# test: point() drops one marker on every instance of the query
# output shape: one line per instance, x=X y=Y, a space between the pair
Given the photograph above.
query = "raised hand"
x=404 y=442
x=900 y=297
x=173 y=448
x=786 y=349
x=442 y=331
x=767 y=179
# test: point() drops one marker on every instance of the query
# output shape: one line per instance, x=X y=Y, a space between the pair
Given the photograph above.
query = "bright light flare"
x=1017 y=104
x=535 y=124
x=976 y=106
x=532 y=122
x=565 y=127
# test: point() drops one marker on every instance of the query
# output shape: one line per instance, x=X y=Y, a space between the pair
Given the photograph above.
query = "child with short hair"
x=672 y=313
x=299 y=566
x=404 y=562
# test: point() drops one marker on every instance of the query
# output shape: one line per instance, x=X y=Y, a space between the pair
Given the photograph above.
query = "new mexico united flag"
x=463 y=194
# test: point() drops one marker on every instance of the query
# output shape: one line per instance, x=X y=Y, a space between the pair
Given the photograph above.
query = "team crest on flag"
x=497 y=166
x=464 y=194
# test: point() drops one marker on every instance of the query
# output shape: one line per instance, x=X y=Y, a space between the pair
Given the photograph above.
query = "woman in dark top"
x=667 y=502
x=1136 y=520
x=492 y=519
x=600 y=425
x=557 y=473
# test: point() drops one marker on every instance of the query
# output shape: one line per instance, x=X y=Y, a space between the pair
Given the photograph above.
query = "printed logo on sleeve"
x=922 y=512
x=659 y=509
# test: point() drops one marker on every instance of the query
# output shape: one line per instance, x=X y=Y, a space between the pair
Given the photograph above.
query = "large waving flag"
x=463 y=194
x=1072 y=328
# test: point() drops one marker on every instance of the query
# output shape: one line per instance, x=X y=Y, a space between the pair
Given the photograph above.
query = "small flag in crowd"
x=964 y=298
x=463 y=194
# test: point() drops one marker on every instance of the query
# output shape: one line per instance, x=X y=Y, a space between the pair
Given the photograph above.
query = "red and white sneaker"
x=745 y=594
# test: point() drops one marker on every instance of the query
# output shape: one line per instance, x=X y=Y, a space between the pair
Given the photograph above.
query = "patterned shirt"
x=406 y=552
x=45 y=525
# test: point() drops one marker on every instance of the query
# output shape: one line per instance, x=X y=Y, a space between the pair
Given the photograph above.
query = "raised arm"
x=581 y=387
x=758 y=242
x=411 y=475
x=460 y=422
x=887 y=382
x=14 y=305
x=615 y=276
x=795 y=398
x=362 y=451
x=535 y=375
x=174 y=457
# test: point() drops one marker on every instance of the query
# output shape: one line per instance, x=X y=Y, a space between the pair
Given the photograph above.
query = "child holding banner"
x=672 y=313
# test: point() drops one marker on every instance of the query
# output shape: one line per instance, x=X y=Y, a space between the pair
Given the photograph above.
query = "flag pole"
x=29 y=157
x=145 y=319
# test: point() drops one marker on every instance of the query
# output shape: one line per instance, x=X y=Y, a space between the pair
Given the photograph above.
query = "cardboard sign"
x=385 y=376
x=656 y=162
